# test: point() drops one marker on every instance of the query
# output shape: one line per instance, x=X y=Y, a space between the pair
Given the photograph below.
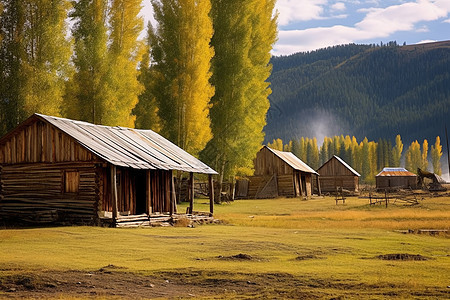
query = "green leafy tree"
x=182 y=54
x=88 y=92
x=313 y=154
x=12 y=53
x=34 y=58
x=436 y=153
x=296 y=148
x=324 y=151
x=244 y=32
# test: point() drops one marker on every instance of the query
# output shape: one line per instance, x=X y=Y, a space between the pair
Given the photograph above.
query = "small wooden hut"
x=336 y=173
x=77 y=172
x=279 y=173
x=395 y=178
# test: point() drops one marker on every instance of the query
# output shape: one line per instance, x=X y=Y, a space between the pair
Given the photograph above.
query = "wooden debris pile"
x=161 y=220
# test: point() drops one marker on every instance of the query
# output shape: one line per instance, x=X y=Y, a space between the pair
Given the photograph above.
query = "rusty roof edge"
x=202 y=169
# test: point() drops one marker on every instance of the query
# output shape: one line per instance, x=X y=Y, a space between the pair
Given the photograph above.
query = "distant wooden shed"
x=77 y=172
x=279 y=173
x=336 y=173
x=395 y=178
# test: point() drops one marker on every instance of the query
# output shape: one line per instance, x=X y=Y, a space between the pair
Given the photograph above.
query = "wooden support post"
x=148 y=193
x=300 y=184
x=295 y=181
x=191 y=192
x=114 y=192
x=386 y=198
x=319 y=191
x=173 y=197
x=211 y=194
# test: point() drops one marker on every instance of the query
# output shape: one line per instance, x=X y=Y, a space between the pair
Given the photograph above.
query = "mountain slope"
x=361 y=90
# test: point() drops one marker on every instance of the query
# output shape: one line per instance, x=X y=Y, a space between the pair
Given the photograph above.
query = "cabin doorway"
x=303 y=183
x=140 y=186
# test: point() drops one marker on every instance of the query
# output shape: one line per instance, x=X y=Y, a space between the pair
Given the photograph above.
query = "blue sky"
x=306 y=25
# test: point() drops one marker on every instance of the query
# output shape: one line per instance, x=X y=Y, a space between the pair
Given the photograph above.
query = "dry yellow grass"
x=340 y=244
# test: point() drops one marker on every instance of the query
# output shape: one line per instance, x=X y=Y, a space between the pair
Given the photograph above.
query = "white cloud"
x=313 y=38
x=378 y=23
x=423 y=29
x=299 y=10
x=385 y=21
x=447 y=21
x=426 y=41
x=339 y=6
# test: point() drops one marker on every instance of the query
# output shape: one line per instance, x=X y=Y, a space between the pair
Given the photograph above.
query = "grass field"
x=279 y=248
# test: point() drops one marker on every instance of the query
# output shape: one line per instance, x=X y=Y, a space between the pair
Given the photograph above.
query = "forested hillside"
x=361 y=90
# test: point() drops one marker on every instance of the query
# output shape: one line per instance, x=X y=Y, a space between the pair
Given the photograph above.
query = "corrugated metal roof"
x=395 y=172
x=346 y=165
x=126 y=147
x=293 y=161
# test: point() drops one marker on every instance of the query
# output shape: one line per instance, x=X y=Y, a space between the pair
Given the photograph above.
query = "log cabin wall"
x=67 y=189
x=333 y=174
x=385 y=182
x=267 y=163
x=331 y=183
x=41 y=142
x=286 y=186
x=44 y=169
x=288 y=180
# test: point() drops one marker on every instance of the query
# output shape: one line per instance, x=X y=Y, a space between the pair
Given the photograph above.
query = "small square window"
x=71 y=181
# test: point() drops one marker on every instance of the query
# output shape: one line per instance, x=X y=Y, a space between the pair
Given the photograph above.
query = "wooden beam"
x=173 y=198
x=114 y=192
x=300 y=184
x=148 y=192
x=191 y=192
x=211 y=193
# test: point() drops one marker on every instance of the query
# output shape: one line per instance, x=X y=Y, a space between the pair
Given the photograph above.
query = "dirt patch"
x=240 y=256
x=190 y=284
x=402 y=256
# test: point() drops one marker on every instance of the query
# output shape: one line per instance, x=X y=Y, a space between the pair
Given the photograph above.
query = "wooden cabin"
x=336 y=173
x=395 y=178
x=279 y=173
x=80 y=173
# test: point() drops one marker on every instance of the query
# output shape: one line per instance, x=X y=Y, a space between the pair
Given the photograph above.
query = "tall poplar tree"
x=436 y=153
x=276 y=144
x=366 y=163
x=397 y=151
x=424 y=165
x=146 y=110
x=182 y=55
x=34 y=58
x=413 y=157
x=88 y=92
x=244 y=32
x=124 y=53
x=12 y=52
